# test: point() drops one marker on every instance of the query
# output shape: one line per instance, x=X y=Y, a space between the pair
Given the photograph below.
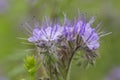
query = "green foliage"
x=30 y=66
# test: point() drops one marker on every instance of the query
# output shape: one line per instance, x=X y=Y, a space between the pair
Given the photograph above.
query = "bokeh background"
x=15 y=12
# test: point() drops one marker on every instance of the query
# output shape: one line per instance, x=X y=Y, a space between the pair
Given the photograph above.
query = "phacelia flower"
x=59 y=43
x=45 y=35
x=84 y=31
x=68 y=33
x=90 y=37
x=35 y=35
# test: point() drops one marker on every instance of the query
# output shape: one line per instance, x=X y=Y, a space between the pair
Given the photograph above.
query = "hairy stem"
x=51 y=78
x=70 y=62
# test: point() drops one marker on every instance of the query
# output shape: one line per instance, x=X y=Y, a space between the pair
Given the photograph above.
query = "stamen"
x=105 y=34
x=30 y=50
x=91 y=20
x=27 y=29
x=28 y=26
x=26 y=43
x=22 y=38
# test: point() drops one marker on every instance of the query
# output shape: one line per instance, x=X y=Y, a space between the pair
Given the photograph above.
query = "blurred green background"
x=15 y=12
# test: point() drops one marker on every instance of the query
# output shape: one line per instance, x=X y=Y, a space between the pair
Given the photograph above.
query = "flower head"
x=84 y=30
x=90 y=37
x=45 y=35
x=50 y=33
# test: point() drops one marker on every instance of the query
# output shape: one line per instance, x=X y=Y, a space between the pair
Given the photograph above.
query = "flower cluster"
x=53 y=33
x=61 y=42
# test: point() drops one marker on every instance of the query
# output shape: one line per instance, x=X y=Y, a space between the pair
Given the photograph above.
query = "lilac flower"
x=90 y=37
x=35 y=36
x=68 y=33
x=84 y=30
x=114 y=74
x=71 y=30
x=51 y=33
x=45 y=34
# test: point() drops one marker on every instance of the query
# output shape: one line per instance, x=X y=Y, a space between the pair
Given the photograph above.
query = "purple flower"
x=90 y=37
x=35 y=36
x=114 y=74
x=51 y=33
x=68 y=33
x=46 y=34
x=84 y=30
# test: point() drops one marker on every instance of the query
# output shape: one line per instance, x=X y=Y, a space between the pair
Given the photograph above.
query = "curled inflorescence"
x=57 y=44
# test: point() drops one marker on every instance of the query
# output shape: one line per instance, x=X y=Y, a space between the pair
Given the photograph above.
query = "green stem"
x=31 y=77
x=68 y=72
x=50 y=73
x=44 y=71
x=69 y=63
x=68 y=68
x=42 y=67
x=50 y=66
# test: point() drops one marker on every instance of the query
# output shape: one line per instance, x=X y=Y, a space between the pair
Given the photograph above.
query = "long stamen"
x=29 y=50
x=28 y=26
x=22 y=38
x=100 y=33
x=98 y=26
x=26 y=43
x=29 y=31
x=105 y=34
x=91 y=20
